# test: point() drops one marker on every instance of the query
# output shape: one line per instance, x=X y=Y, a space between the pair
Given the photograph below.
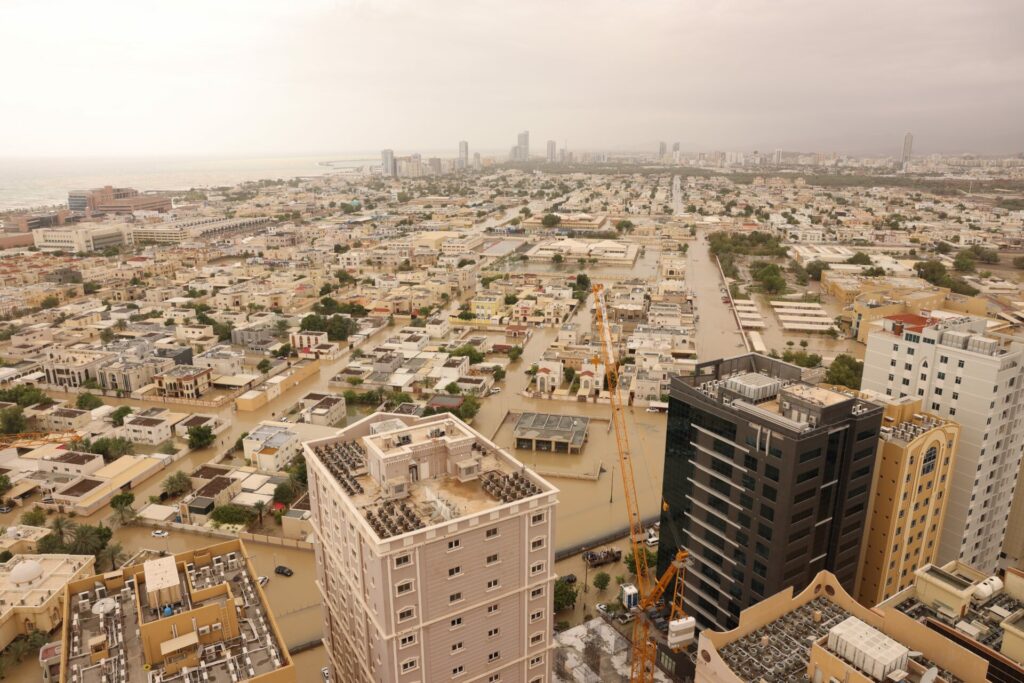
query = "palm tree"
x=176 y=484
x=61 y=527
x=19 y=649
x=260 y=507
x=85 y=540
x=113 y=552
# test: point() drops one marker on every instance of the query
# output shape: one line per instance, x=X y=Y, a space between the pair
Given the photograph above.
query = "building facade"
x=766 y=483
x=435 y=552
x=963 y=375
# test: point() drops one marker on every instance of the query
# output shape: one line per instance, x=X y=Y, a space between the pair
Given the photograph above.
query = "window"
x=458 y=671
x=454 y=597
x=537 y=593
x=404 y=587
x=537 y=616
x=536 y=638
x=492 y=559
x=536 y=661
x=402 y=560
x=492 y=633
x=406 y=614
x=454 y=544
x=457 y=647
x=494 y=656
x=454 y=571
x=537 y=519
x=494 y=678
x=409 y=665
x=491 y=533
x=537 y=544
x=455 y=623
x=928 y=463
x=771 y=472
x=406 y=641
x=492 y=609
x=959 y=363
x=492 y=584
x=536 y=568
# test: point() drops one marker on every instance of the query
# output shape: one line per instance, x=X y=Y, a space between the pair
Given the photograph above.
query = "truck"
x=596 y=558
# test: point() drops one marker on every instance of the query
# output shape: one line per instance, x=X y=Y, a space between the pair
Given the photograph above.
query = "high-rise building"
x=552 y=152
x=463 y=154
x=908 y=149
x=675 y=146
x=477 y=163
x=913 y=468
x=777 y=157
x=961 y=372
x=662 y=149
x=435 y=553
x=766 y=483
x=387 y=163
x=523 y=148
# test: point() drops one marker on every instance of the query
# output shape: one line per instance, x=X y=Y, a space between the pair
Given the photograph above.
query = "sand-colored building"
x=822 y=634
x=913 y=464
x=872 y=305
x=32 y=592
x=202 y=610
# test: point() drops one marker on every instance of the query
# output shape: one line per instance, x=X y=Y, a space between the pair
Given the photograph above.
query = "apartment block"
x=766 y=483
x=961 y=373
x=435 y=552
x=200 y=615
x=913 y=472
x=184 y=381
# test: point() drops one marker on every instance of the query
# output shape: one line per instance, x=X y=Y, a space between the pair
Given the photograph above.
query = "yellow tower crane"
x=644 y=649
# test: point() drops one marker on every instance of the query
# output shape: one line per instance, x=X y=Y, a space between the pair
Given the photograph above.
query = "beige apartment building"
x=913 y=466
x=434 y=552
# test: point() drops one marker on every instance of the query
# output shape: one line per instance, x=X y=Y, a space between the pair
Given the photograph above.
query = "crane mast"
x=644 y=650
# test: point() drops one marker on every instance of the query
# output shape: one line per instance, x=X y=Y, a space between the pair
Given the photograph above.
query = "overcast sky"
x=219 y=77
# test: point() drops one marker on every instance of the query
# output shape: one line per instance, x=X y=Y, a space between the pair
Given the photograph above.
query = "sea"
x=28 y=183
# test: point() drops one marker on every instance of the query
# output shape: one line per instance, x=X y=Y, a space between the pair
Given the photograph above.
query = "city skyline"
x=274 y=81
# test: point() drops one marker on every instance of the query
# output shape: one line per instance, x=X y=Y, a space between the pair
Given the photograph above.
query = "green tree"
x=87 y=540
x=601 y=580
x=12 y=420
x=285 y=493
x=452 y=388
x=845 y=370
x=200 y=436
x=5 y=484
x=630 y=561
x=113 y=554
x=466 y=315
x=49 y=302
x=860 y=259
x=176 y=484
x=61 y=527
x=230 y=514
x=964 y=262
x=123 y=503
x=551 y=220
x=263 y=366
x=106 y=335
x=91 y=287
x=117 y=417
x=470 y=407
x=557 y=258
x=565 y=596
x=498 y=374
x=25 y=396
x=110 y=447
x=511 y=299
x=34 y=517
x=260 y=507
x=88 y=401
x=515 y=353
x=475 y=355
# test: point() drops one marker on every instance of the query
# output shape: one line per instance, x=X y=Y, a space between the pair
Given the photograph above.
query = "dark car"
x=283 y=570
x=569 y=579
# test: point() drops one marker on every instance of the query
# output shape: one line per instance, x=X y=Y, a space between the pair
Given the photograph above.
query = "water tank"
x=629 y=596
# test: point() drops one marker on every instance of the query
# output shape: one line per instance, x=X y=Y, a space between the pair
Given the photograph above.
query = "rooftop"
x=405 y=473
x=201 y=609
x=568 y=428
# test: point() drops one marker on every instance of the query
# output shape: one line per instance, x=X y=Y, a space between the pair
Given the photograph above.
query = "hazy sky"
x=221 y=77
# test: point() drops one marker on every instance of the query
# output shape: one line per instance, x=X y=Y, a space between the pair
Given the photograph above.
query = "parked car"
x=603 y=608
x=495 y=390
x=326 y=673
x=653 y=410
x=160 y=533
x=4 y=509
x=283 y=570
x=263 y=580
x=625 y=617
x=569 y=579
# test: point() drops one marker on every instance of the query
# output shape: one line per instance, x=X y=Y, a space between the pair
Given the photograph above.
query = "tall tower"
x=662 y=148
x=523 y=148
x=552 y=151
x=908 y=148
x=463 y=154
x=765 y=476
x=387 y=162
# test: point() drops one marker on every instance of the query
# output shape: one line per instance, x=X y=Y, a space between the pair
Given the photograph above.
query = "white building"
x=271 y=447
x=975 y=380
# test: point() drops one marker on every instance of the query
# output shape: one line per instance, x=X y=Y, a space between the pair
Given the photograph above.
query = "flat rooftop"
x=399 y=448
x=222 y=629
x=571 y=429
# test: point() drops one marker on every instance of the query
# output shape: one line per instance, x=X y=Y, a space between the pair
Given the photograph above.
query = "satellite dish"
x=930 y=675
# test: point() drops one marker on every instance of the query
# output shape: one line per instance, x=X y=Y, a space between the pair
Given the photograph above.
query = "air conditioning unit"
x=204 y=630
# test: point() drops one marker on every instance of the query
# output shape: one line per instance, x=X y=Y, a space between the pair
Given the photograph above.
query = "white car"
x=263 y=580
x=326 y=673
x=653 y=410
x=160 y=533
x=495 y=390
x=603 y=608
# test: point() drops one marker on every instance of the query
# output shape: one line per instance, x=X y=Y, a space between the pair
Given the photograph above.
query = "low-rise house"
x=271 y=447
x=183 y=381
x=323 y=409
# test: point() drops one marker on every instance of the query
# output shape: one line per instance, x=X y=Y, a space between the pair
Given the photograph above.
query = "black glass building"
x=766 y=483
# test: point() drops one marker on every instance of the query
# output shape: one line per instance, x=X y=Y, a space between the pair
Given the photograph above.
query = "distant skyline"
x=256 y=78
